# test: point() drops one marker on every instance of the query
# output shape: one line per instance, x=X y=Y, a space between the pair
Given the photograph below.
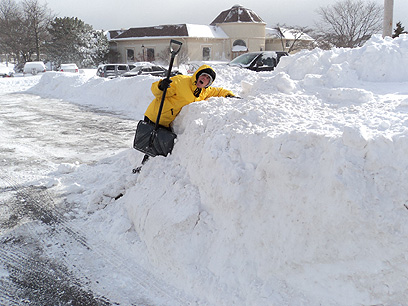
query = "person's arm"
x=218 y=92
x=158 y=87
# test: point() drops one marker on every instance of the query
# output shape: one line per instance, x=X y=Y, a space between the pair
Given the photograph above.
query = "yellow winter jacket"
x=179 y=94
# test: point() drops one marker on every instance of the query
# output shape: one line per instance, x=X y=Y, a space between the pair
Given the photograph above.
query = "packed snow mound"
x=293 y=195
x=253 y=199
x=379 y=60
x=18 y=84
x=129 y=96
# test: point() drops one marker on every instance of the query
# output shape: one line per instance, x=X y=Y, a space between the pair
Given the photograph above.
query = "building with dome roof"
x=233 y=32
x=244 y=28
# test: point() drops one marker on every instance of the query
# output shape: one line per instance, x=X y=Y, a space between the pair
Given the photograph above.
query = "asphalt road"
x=44 y=259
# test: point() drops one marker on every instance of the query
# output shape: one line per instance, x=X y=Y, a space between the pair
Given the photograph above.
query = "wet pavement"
x=38 y=246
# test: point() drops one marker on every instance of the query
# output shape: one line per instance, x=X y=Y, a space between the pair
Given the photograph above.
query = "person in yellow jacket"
x=181 y=91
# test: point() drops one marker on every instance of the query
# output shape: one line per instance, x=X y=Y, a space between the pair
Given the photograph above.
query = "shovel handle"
x=173 y=55
x=173 y=44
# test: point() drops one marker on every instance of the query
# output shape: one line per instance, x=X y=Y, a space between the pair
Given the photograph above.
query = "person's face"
x=203 y=81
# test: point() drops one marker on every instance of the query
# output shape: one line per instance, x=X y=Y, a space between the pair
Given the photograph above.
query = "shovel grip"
x=175 y=42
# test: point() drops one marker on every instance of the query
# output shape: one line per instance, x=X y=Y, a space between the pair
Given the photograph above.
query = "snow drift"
x=293 y=195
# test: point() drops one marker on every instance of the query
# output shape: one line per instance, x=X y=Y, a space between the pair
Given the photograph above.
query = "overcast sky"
x=114 y=15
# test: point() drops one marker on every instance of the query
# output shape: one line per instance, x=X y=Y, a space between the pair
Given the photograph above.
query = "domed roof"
x=237 y=13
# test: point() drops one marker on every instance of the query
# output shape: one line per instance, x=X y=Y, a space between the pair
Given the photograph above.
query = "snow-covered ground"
x=293 y=195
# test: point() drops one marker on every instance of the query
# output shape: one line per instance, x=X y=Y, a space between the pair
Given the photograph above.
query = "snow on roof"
x=173 y=30
x=237 y=13
x=113 y=33
x=197 y=30
x=290 y=34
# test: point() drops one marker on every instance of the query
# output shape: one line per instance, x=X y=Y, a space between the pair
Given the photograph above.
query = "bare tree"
x=295 y=38
x=23 y=28
x=349 y=23
x=10 y=26
x=183 y=57
x=37 y=18
x=163 y=57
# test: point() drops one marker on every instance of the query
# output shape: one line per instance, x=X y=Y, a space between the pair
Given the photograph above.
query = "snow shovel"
x=152 y=139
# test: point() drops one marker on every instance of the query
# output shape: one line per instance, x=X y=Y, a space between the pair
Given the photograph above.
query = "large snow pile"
x=294 y=195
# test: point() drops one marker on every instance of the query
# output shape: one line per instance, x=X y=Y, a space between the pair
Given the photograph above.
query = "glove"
x=231 y=96
x=165 y=83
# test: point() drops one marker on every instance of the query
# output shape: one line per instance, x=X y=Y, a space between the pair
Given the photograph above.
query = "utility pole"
x=388 y=14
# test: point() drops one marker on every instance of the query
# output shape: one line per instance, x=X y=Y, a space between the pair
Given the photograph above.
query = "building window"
x=238 y=47
x=130 y=55
x=150 y=54
x=206 y=53
x=239 y=42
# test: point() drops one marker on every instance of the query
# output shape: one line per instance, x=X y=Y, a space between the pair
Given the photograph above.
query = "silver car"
x=69 y=68
x=113 y=70
x=258 y=61
x=149 y=69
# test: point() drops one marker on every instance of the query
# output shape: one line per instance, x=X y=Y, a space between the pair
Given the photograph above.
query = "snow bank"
x=258 y=201
x=129 y=96
x=379 y=60
x=293 y=195
x=18 y=84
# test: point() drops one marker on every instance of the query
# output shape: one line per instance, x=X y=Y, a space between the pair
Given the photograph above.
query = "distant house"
x=233 y=32
x=289 y=40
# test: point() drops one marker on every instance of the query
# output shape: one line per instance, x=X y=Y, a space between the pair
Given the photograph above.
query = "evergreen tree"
x=399 y=30
x=96 y=48
x=73 y=41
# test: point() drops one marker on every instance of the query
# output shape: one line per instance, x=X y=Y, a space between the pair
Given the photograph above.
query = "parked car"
x=149 y=69
x=113 y=70
x=69 y=68
x=34 y=67
x=5 y=71
x=258 y=61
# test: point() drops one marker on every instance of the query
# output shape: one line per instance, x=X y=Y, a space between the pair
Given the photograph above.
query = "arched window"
x=239 y=42
x=238 y=47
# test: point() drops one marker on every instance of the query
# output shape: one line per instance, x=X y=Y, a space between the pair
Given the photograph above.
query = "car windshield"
x=136 y=69
x=244 y=59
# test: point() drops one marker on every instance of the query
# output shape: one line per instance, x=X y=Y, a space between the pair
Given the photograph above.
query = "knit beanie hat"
x=207 y=71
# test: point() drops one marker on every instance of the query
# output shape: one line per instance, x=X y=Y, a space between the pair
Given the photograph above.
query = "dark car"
x=149 y=69
x=258 y=61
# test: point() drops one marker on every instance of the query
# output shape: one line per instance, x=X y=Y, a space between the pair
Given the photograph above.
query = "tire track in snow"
x=42 y=132
x=54 y=237
x=32 y=275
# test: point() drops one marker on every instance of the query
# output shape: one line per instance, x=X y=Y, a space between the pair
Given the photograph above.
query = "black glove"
x=165 y=83
x=231 y=96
